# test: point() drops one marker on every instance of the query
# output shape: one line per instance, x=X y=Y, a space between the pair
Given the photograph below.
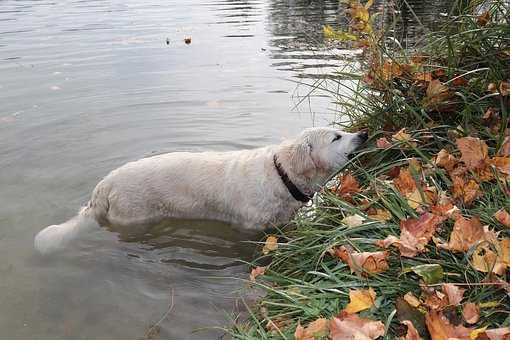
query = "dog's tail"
x=57 y=236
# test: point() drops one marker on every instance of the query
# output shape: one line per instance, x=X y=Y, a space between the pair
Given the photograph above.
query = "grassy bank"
x=413 y=240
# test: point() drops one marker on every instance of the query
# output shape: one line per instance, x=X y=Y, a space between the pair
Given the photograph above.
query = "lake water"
x=86 y=86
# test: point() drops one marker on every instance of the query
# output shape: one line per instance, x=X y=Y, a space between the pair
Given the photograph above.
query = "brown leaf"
x=473 y=150
x=505 y=147
x=257 y=271
x=423 y=76
x=440 y=328
x=465 y=234
x=380 y=215
x=383 y=143
x=270 y=245
x=350 y=326
x=486 y=260
x=483 y=18
x=445 y=160
x=363 y=263
x=503 y=217
x=348 y=187
x=403 y=136
x=504 y=88
x=498 y=333
x=412 y=333
x=453 y=293
x=416 y=233
x=360 y=299
x=465 y=191
x=405 y=182
x=436 y=94
x=412 y=300
x=471 y=313
x=502 y=164
x=315 y=329
x=388 y=241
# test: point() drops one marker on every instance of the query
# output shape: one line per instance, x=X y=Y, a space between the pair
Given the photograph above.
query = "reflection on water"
x=89 y=85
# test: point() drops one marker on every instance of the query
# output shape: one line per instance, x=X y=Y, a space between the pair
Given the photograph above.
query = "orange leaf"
x=380 y=215
x=436 y=93
x=471 y=313
x=416 y=233
x=423 y=76
x=257 y=271
x=498 y=333
x=474 y=151
x=317 y=328
x=445 y=160
x=363 y=263
x=388 y=241
x=467 y=192
x=350 y=326
x=270 y=245
x=348 y=186
x=440 y=328
x=403 y=136
x=505 y=147
x=483 y=18
x=405 y=182
x=412 y=300
x=503 y=217
x=465 y=234
x=502 y=164
x=361 y=299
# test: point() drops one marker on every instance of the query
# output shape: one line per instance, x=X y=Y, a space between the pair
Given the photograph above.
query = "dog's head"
x=319 y=152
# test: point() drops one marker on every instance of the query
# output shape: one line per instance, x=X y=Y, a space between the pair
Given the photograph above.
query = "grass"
x=388 y=90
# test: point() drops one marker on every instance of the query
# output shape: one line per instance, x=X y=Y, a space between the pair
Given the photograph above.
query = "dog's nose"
x=363 y=135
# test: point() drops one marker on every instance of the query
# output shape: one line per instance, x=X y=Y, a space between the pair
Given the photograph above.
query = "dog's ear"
x=300 y=158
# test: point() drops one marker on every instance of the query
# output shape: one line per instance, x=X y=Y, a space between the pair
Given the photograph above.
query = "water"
x=86 y=86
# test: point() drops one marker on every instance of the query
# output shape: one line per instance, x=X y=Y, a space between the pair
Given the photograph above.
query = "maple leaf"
x=317 y=328
x=445 y=160
x=453 y=293
x=361 y=299
x=365 y=262
x=257 y=271
x=471 y=313
x=412 y=333
x=503 y=217
x=473 y=150
x=270 y=245
x=350 y=326
x=383 y=143
x=444 y=208
x=441 y=329
x=416 y=233
x=465 y=191
x=348 y=187
x=465 y=234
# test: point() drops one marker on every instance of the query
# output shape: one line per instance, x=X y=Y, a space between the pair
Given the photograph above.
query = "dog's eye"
x=337 y=137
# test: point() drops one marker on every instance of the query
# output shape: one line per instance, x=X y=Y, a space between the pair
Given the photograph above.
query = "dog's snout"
x=363 y=135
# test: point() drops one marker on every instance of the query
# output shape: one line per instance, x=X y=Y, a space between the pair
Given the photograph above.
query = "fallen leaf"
x=465 y=191
x=474 y=152
x=440 y=328
x=505 y=147
x=492 y=87
x=404 y=137
x=348 y=187
x=454 y=293
x=436 y=94
x=388 y=241
x=390 y=70
x=503 y=217
x=350 y=326
x=446 y=160
x=417 y=198
x=430 y=273
x=435 y=300
x=316 y=329
x=405 y=182
x=486 y=260
x=380 y=215
x=498 y=333
x=504 y=88
x=406 y=312
x=423 y=76
x=330 y=33
x=416 y=233
x=363 y=263
x=360 y=299
x=412 y=300
x=383 y=143
x=353 y=220
x=270 y=245
x=412 y=333
x=502 y=164
x=257 y=271
x=483 y=18
x=471 y=313
x=464 y=235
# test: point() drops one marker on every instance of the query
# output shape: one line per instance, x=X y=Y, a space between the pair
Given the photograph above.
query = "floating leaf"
x=270 y=245
x=430 y=273
x=361 y=299
x=350 y=326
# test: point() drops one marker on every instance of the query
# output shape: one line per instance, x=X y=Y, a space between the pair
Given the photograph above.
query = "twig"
x=154 y=329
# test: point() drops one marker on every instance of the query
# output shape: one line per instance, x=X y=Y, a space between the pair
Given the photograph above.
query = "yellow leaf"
x=270 y=245
x=412 y=300
x=330 y=33
x=361 y=299
x=381 y=215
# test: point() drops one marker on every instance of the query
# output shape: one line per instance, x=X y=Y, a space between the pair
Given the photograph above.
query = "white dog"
x=252 y=188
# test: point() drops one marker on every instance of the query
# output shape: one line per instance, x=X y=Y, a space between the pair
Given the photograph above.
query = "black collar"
x=294 y=191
